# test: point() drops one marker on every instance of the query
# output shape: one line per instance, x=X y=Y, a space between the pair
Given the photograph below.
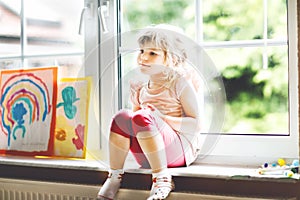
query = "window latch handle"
x=103 y=12
x=89 y=7
x=81 y=20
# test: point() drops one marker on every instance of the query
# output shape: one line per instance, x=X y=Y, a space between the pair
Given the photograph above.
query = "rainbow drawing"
x=26 y=108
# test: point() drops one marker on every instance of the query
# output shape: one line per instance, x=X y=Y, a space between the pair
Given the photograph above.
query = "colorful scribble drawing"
x=18 y=113
x=78 y=141
x=69 y=98
x=71 y=117
x=25 y=108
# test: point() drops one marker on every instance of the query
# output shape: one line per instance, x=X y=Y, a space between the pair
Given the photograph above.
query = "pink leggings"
x=129 y=124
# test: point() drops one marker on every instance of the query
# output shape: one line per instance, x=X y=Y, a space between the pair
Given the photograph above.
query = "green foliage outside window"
x=257 y=97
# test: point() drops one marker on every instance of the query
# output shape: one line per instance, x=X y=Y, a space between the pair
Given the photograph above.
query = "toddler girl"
x=163 y=127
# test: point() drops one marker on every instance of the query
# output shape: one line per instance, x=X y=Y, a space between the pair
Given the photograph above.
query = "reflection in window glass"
x=50 y=31
x=52 y=26
x=10 y=64
x=10 y=28
x=248 y=44
x=68 y=66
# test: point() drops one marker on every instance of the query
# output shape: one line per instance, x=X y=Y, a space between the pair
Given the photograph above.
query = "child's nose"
x=144 y=57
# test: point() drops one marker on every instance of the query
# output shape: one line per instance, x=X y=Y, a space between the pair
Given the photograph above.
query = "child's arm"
x=191 y=122
x=135 y=88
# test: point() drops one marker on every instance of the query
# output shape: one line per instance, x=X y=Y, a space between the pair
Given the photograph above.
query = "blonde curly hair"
x=167 y=38
x=164 y=37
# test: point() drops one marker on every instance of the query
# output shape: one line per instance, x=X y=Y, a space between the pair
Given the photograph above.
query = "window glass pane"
x=277 y=18
x=40 y=34
x=254 y=69
x=232 y=20
x=10 y=28
x=255 y=96
x=52 y=26
x=10 y=64
x=69 y=66
x=138 y=14
x=129 y=73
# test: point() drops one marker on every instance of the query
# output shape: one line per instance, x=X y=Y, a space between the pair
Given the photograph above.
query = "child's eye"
x=152 y=53
x=142 y=51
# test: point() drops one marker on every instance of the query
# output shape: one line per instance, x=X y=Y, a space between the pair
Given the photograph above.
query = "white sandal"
x=109 y=189
x=161 y=188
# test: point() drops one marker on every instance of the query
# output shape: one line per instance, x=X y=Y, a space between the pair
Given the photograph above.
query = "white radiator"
x=11 y=189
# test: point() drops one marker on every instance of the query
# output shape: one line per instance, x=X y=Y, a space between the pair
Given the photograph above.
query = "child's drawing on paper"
x=71 y=117
x=26 y=109
x=68 y=95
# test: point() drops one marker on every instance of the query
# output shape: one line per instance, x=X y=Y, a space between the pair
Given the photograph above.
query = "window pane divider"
x=41 y=55
x=245 y=43
x=230 y=44
x=265 y=52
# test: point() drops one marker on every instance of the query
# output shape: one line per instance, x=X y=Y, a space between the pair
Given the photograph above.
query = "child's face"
x=151 y=59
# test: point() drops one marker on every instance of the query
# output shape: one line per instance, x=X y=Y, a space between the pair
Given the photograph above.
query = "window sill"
x=47 y=162
x=197 y=178
x=195 y=170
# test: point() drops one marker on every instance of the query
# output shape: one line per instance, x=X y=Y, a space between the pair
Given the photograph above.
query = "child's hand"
x=154 y=110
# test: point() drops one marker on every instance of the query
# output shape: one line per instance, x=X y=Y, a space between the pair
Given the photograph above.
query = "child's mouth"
x=144 y=65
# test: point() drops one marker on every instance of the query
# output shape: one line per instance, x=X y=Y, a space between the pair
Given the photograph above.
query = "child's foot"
x=161 y=188
x=110 y=188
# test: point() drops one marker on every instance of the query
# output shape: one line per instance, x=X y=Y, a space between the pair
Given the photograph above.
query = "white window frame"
x=101 y=65
x=257 y=149
x=229 y=149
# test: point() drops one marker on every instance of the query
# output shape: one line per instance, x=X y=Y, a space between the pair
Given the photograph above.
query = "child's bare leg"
x=153 y=147
x=118 y=150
